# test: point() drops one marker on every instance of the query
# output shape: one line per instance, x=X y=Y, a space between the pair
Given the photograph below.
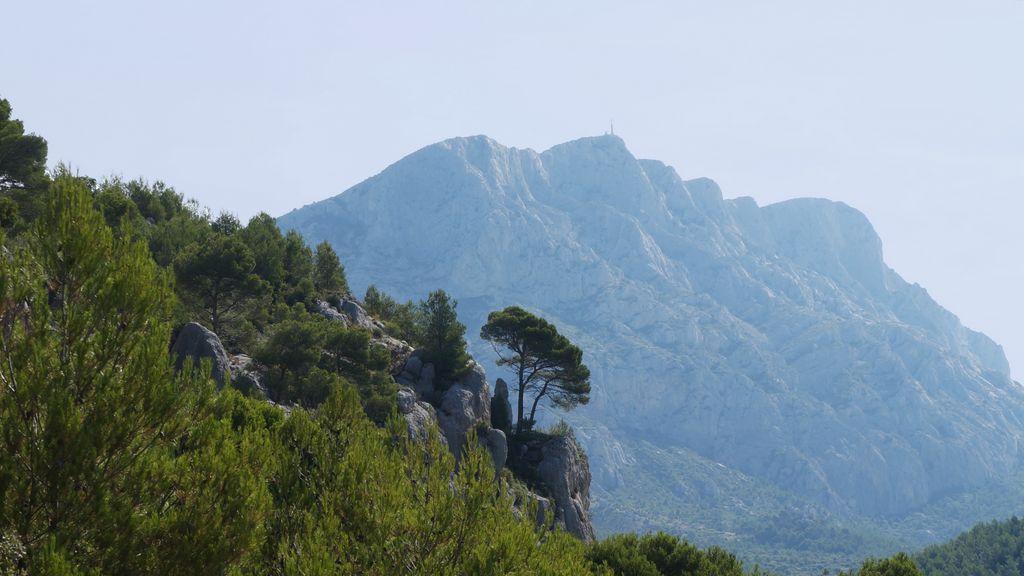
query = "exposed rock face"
x=419 y=416
x=773 y=340
x=465 y=405
x=357 y=315
x=196 y=342
x=497 y=445
x=399 y=350
x=560 y=465
x=328 y=311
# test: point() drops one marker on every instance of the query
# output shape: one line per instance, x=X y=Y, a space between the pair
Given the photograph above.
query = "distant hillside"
x=770 y=344
x=992 y=549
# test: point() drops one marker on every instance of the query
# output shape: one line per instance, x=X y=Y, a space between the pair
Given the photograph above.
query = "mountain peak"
x=731 y=328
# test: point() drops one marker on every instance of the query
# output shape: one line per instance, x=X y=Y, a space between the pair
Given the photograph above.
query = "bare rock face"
x=328 y=311
x=399 y=350
x=196 y=342
x=356 y=315
x=419 y=416
x=465 y=405
x=497 y=445
x=560 y=466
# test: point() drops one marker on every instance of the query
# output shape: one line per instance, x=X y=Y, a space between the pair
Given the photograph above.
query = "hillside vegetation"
x=989 y=549
x=114 y=462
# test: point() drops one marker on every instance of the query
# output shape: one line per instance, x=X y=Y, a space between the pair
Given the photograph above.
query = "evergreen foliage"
x=662 y=555
x=898 y=565
x=988 y=549
x=402 y=320
x=107 y=451
x=22 y=171
x=217 y=279
x=328 y=273
x=546 y=364
x=22 y=156
x=263 y=237
x=443 y=338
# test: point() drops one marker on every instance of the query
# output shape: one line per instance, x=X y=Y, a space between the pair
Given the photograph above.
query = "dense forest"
x=990 y=549
x=114 y=461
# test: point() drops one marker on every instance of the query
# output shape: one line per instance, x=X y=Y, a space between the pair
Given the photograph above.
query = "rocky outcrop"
x=501 y=408
x=357 y=316
x=245 y=377
x=462 y=407
x=196 y=342
x=497 y=445
x=399 y=350
x=329 y=312
x=419 y=416
x=465 y=405
x=559 y=468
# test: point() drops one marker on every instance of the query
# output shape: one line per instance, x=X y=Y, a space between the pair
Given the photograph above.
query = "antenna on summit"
x=613 y=127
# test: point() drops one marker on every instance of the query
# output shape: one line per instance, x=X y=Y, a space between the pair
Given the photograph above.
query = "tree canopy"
x=22 y=171
x=988 y=549
x=328 y=273
x=546 y=364
x=22 y=156
x=217 y=276
x=443 y=336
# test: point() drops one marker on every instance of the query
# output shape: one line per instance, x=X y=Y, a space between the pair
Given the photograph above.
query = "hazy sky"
x=911 y=111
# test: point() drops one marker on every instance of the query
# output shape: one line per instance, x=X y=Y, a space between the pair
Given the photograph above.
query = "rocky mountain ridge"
x=772 y=340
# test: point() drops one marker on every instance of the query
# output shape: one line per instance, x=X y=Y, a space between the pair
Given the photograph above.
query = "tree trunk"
x=522 y=386
x=533 y=409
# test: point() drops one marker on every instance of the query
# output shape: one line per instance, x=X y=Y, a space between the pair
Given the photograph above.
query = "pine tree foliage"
x=546 y=364
x=443 y=337
x=22 y=156
x=106 y=451
x=989 y=549
x=328 y=273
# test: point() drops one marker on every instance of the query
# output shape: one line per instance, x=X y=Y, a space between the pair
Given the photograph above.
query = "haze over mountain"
x=770 y=346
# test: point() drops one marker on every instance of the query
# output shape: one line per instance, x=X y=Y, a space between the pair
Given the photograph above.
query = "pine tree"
x=444 y=337
x=546 y=364
x=217 y=279
x=328 y=273
x=105 y=449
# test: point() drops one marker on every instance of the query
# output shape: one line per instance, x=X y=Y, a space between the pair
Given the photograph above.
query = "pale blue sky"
x=909 y=110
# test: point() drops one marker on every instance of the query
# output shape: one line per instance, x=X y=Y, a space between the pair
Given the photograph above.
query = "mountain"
x=769 y=348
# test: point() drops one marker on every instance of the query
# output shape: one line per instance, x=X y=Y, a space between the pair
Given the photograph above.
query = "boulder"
x=464 y=405
x=357 y=315
x=420 y=418
x=329 y=312
x=196 y=342
x=425 y=382
x=406 y=400
x=497 y=445
x=501 y=408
